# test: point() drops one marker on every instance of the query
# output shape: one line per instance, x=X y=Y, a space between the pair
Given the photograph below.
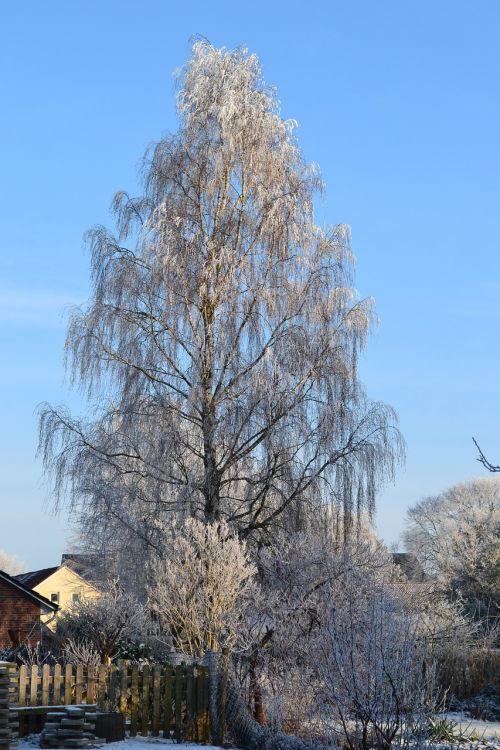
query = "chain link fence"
x=231 y=720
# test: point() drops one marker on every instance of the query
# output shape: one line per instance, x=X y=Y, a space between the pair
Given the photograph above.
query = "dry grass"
x=464 y=674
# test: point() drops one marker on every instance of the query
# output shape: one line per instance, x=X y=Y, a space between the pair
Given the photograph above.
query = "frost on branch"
x=95 y=630
x=200 y=589
x=10 y=563
x=221 y=340
x=455 y=535
x=376 y=684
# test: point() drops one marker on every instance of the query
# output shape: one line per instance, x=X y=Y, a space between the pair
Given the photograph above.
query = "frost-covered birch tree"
x=222 y=336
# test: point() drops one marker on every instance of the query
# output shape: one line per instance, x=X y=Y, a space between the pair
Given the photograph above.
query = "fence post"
x=212 y=661
x=223 y=677
x=218 y=665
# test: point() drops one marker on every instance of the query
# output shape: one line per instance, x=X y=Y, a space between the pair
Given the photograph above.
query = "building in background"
x=24 y=613
x=60 y=585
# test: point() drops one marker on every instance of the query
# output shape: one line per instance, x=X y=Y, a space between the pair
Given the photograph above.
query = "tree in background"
x=222 y=337
x=456 y=537
x=10 y=563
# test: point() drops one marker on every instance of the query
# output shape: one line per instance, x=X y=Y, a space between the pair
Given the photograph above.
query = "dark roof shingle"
x=34 y=577
x=410 y=566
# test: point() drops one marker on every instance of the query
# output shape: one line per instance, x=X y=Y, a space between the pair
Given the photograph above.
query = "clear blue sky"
x=398 y=101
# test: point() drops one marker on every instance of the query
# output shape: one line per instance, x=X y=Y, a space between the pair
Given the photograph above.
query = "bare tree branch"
x=483 y=460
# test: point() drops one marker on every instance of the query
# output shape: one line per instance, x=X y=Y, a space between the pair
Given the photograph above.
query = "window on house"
x=76 y=597
x=54 y=598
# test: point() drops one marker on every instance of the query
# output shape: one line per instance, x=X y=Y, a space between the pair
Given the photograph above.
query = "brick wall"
x=19 y=614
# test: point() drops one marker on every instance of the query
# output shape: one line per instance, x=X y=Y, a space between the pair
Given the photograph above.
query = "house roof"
x=85 y=564
x=29 y=593
x=410 y=566
x=34 y=577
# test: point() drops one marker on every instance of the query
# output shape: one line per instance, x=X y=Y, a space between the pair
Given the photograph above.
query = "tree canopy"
x=219 y=348
x=455 y=535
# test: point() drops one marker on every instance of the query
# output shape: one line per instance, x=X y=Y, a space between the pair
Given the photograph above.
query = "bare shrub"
x=200 y=588
x=464 y=673
x=99 y=626
x=79 y=650
x=341 y=657
x=376 y=683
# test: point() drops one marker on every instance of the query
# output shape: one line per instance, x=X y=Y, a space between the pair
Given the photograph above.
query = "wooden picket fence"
x=153 y=698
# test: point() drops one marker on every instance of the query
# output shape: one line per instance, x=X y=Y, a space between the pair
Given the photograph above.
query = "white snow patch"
x=132 y=743
x=487 y=730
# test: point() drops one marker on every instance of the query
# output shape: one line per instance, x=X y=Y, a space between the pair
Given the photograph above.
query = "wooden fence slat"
x=113 y=690
x=198 y=686
x=68 y=684
x=90 y=684
x=194 y=705
x=134 y=700
x=200 y=733
x=123 y=701
x=145 y=701
x=34 y=686
x=206 y=703
x=79 y=684
x=155 y=727
x=45 y=684
x=189 y=733
x=57 y=685
x=102 y=686
x=23 y=679
x=167 y=702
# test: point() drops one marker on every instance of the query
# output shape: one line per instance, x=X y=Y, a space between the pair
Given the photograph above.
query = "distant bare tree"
x=456 y=537
x=10 y=563
x=222 y=338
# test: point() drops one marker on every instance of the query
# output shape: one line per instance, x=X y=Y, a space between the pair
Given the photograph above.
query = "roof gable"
x=85 y=564
x=28 y=593
x=34 y=577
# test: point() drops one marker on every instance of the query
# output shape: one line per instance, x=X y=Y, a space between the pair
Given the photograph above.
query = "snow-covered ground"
x=489 y=730
x=485 y=735
x=133 y=743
